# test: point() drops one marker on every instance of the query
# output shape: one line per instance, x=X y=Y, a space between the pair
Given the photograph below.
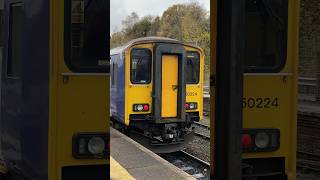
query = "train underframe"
x=166 y=137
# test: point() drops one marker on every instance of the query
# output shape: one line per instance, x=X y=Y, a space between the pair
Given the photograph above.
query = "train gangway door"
x=169 y=86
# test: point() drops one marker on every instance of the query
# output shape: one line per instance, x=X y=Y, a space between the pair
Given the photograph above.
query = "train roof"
x=150 y=39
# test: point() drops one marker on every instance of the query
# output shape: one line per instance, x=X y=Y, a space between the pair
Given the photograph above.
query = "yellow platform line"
x=117 y=172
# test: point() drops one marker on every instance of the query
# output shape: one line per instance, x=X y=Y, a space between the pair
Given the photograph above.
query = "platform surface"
x=132 y=160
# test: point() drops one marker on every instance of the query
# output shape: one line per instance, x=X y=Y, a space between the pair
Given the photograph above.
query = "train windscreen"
x=87 y=35
x=193 y=68
x=266 y=35
x=140 y=66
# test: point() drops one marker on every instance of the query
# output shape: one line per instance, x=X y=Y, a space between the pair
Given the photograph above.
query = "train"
x=54 y=90
x=269 y=100
x=156 y=91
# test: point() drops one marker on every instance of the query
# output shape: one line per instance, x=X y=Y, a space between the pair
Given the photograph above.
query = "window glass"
x=15 y=39
x=140 y=66
x=266 y=35
x=193 y=68
x=1 y=29
x=1 y=25
x=113 y=75
x=114 y=68
x=87 y=35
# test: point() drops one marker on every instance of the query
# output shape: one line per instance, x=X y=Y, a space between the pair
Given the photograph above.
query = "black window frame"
x=150 y=66
x=10 y=48
x=284 y=43
x=198 y=80
x=68 y=48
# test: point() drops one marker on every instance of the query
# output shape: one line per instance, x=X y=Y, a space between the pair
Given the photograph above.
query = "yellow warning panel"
x=117 y=172
x=169 y=86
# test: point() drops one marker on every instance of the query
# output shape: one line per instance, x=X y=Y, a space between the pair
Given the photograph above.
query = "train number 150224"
x=260 y=102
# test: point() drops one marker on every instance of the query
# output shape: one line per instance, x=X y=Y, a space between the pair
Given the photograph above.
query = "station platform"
x=130 y=160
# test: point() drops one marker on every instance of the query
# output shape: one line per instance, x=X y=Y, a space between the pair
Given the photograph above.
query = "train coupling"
x=169 y=132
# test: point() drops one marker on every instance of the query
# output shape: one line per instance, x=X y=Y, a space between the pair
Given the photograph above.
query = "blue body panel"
x=117 y=92
x=25 y=100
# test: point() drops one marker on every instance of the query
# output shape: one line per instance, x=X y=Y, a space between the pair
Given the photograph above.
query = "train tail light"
x=146 y=107
x=246 y=140
x=260 y=140
x=191 y=106
x=90 y=146
x=141 y=107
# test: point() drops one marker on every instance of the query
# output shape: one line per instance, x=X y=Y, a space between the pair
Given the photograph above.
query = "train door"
x=169 y=86
x=169 y=89
x=227 y=29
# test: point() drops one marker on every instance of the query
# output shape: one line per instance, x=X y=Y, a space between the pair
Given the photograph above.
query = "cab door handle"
x=174 y=87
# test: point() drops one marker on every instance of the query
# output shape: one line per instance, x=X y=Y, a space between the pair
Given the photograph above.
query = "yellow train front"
x=54 y=90
x=156 y=91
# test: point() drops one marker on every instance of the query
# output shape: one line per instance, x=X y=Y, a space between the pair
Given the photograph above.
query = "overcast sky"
x=120 y=9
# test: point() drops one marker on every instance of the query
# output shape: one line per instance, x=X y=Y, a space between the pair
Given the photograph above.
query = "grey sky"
x=120 y=9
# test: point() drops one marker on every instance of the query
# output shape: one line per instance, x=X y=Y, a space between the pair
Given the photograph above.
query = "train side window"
x=87 y=34
x=13 y=67
x=114 y=67
x=266 y=35
x=1 y=24
x=112 y=75
x=193 y=68
x=140 y=66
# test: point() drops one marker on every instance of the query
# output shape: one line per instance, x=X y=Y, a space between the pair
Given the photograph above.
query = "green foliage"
x=186 y=22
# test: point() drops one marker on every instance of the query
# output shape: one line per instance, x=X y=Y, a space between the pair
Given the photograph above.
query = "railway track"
x=308 y=161
x=306 y=120
x=202 y=130
x=192 y=165
x=308 y=156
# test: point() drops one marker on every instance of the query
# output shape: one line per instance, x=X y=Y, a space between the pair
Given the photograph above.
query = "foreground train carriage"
x=156 y=91
x=54 y=90
x=269 y=89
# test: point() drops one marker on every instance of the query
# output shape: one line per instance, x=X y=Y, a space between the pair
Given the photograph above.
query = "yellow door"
x=169 y=86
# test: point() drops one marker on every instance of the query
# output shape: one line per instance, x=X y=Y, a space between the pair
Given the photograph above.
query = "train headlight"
x=90 y=145
x=191 y=105
x=141 y=107
x=261 y=140
x=96 y=145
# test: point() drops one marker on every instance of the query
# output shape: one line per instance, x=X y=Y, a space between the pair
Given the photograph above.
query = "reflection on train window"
x=140 y=66
x=15 y=38
x=193 y=68
x=266 y=35
x=87 y=36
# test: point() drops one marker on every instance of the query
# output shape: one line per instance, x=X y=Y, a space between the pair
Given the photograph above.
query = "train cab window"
x=193 y=68
x=140 y=66
x=86 y=34
x=266 y=35
x=15 y=38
